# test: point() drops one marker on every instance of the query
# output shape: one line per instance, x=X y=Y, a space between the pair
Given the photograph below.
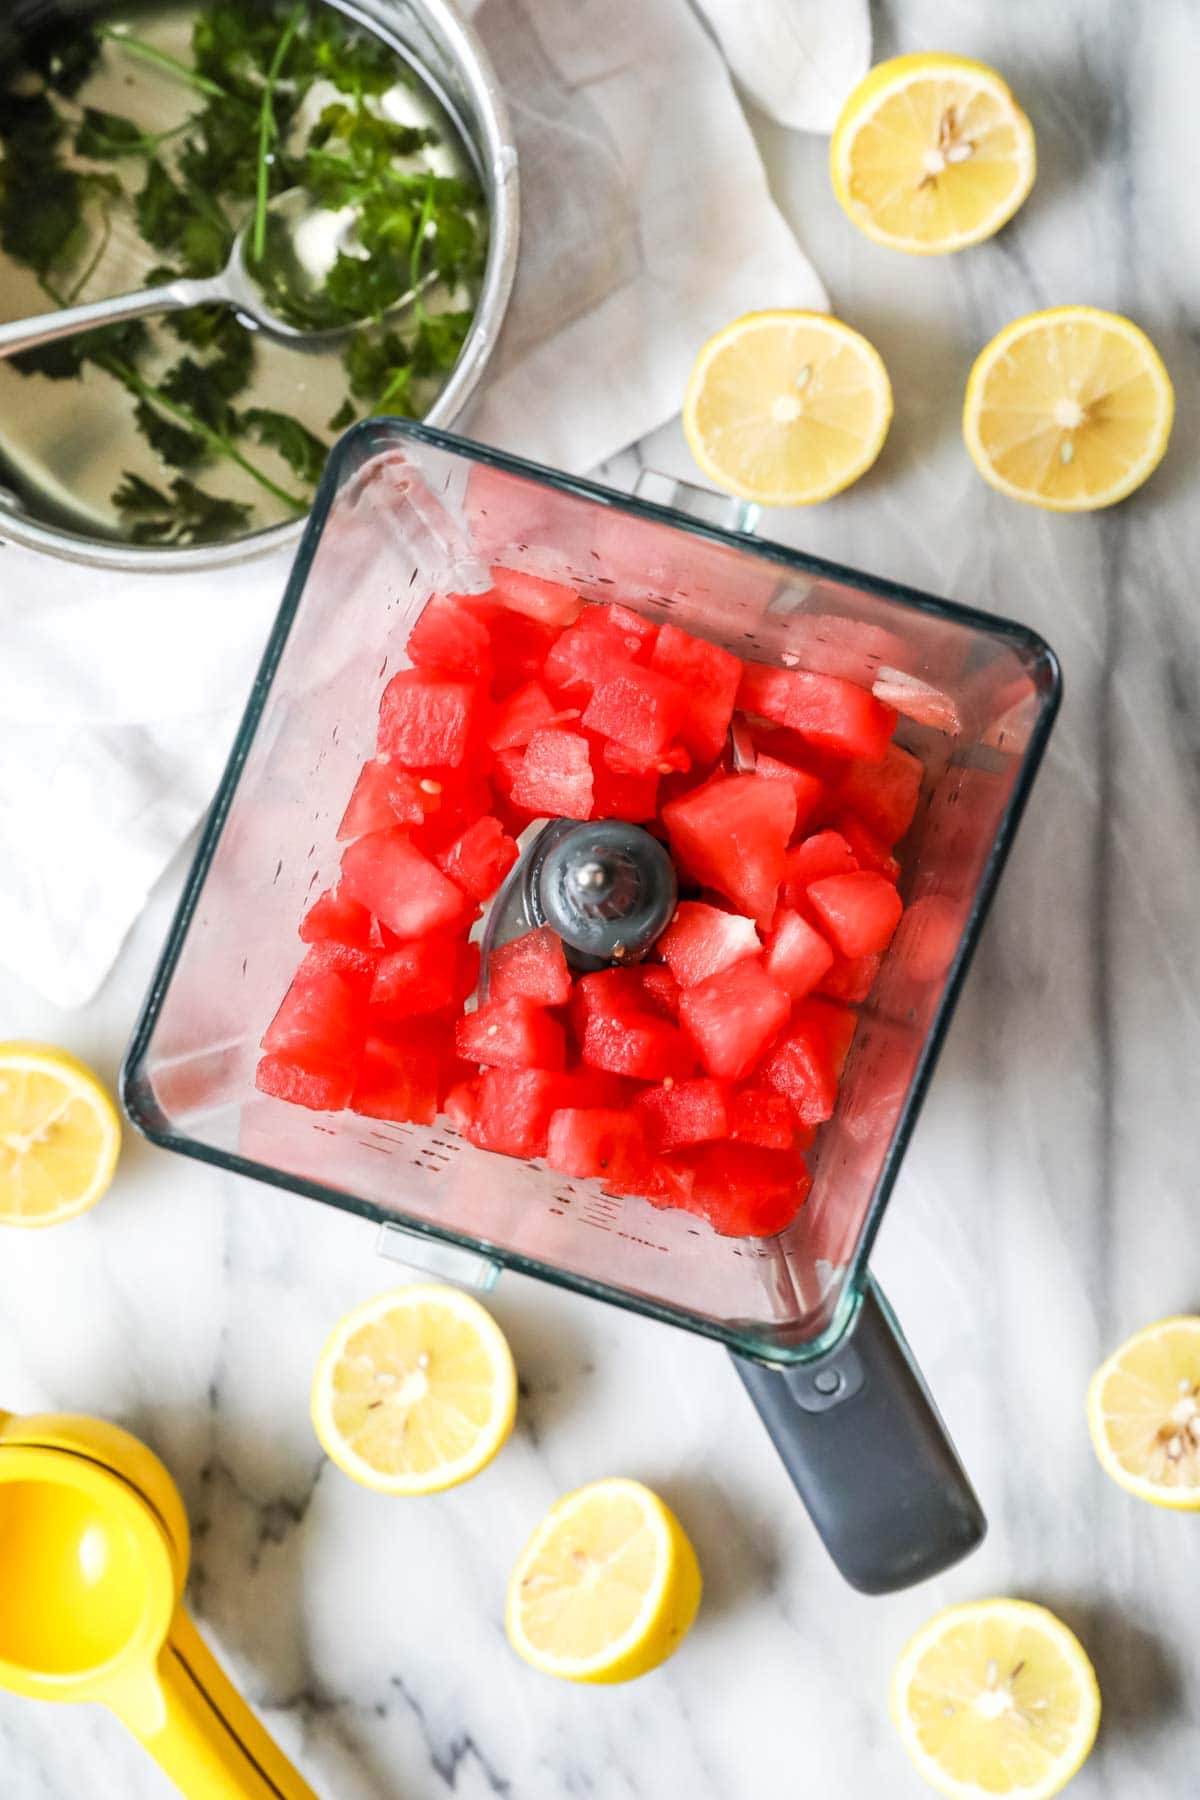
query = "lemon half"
x=59 y=1135
x=786 y=408
x=931 y=153
x=996 y=1698
x=1144 y=1414
x=1069 y=409
x=415 y=1390
x=606 y=1588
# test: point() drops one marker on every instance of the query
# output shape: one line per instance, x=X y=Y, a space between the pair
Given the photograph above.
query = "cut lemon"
x=415 y=1391
x=996 y=1698
x=59 y=1135
x=1069 y=409
x=786 y=408
x=606 y=1588
x=931 y=153
x=1144 y=1414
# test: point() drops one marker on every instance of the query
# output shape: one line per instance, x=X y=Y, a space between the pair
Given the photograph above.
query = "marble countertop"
x=1046 y=1207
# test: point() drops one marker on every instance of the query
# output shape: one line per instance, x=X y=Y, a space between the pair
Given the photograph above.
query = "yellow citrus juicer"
x=94 y=1552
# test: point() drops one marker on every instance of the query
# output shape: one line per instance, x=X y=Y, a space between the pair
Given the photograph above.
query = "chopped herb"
x=343 y=417
x=300 y=448
x=107 y=136
x=152 y=54
x=64 y=359
x=187 y=516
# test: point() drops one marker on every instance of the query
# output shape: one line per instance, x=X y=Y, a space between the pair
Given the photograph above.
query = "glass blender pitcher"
x=405 y=511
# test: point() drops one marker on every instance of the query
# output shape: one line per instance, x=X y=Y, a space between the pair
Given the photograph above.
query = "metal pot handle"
x=868 y=1454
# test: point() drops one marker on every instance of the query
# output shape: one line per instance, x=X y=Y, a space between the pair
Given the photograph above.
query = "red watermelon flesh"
x=420 y=976
x=397 y=1083
x=335 y=915
x=683 y=1112
x=388 y=874
x=732 y=834
x=701 y=940
x=637 y=1044
x=450 y=638
x=825 y=853
x=883 y=796
x=796 y=956
x=520 y=647
x=850 y=980
x=387 y=795
x=600 y=1143
x=555 y=777
x=533 y=966
x=808 y=789
x=636 y=707
x=860 y=912
x=479 y=859
x=550 y=603
x=426 y=719
x=284 y=1080
x=833 y=714
x=733 y=1016
x=744 y=1191
x=525 y=711
x=711 y=676
x=512 y=1031
x=869 y=851
x=631 y=797
x=759 y=1116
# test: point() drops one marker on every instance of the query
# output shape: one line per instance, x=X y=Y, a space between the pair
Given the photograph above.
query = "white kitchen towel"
x=646 y=224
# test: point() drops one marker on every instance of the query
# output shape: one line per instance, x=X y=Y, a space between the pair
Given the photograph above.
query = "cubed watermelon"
x=555 y=777
x=883 y=796
x=548 y=602
x=806 y=1063
x=636 y=707
x=512 y=1109
x=397 y=1082
x=808 y=789
x=588 y=649
x=849 y=979
x=520 y=647
x=388 y=874
x=797 y=955
x=615 y=795
x=870 y=851
x=384 y=795
x=744 y=1191
x=335 y=915
x=637 y=1044
x=835 y=715
x=678 y=1113
x=534 y=966
x=461 y=796
x=702 y=940
x=451 y=639
x=612 y=993
x=426 y=719
x=420 y=976
x=711 y=676
x=284 y=1080
x=825 y=853
x=733 y=1016
x=660 y=990
x=759 y=1116
x=675 y=759
x=732 y=834
x=525 y=711
x=601 y=1143
x=511 y=1032
x=859 y=911
x=479 y=859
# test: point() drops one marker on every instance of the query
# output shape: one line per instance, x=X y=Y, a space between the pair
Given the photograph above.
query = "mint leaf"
x=300 y=448
x=186 y=516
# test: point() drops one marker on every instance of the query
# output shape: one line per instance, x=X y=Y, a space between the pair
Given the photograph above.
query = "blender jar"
x=405 y=511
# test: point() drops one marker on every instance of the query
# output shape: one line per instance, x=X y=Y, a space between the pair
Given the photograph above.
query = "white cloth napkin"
x=647 y=223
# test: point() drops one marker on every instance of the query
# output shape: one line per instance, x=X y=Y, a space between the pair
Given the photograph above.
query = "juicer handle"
x=186 y=1712
x=868 y=1454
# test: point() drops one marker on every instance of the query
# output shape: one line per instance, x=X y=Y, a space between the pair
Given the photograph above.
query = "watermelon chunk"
x=601 y=1143
x=702 y=940
x=744 y=1191
x=533 y=966
x=684 y=1112
x=284 y=1080
x=420 y=976
x=590 y=647
x=849 y=979
x=636 y=707
x=637 y=1044
x=525 y=711
x=520 y=647
x=732 y=834
x=869 y=851
x=384 y=795
x=860 y=911
x=617 y=993
x=675 y=759
x=397 y=1082
x=806 y=1063
x=550 y=603
x=825 y=853
x=660 y=990
x=479 y=859
x=425 y=719
x=885 y=796
x=733 y=1016
x=711 y=676
x=512 y=1108
x=836 y=715
x=335 y=915
x=555 y=776
x=617 y=795
x=796 y=956
x=388 y=874
x=808 y=789
x=512 y=1031
x=759 y=1116
x=450 y=638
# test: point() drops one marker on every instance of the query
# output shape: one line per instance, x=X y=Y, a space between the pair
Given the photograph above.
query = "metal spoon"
x=311 y=237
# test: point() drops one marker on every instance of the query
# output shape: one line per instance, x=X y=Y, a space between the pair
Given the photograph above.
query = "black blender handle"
x=863 y=1443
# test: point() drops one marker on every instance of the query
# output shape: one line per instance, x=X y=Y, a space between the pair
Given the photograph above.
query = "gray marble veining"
x=1046 y=1208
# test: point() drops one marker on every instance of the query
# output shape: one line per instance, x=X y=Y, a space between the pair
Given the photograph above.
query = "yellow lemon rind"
x=1169 y=1499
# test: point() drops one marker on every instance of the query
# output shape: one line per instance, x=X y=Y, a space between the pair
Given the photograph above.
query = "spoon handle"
x=173 y=296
